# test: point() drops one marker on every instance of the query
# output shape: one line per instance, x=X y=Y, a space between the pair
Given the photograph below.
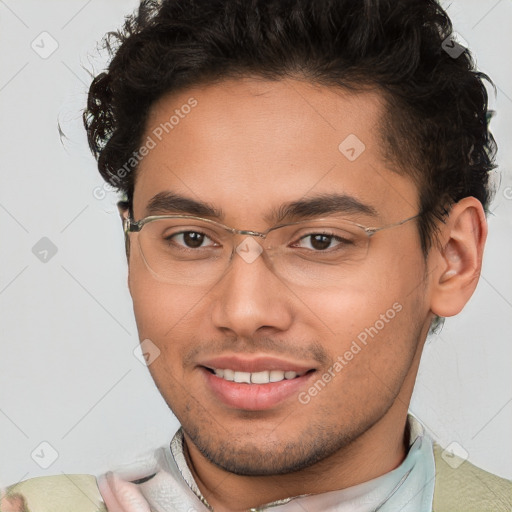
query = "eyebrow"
x=320 y=205
x=165 y=203
x=170 y=202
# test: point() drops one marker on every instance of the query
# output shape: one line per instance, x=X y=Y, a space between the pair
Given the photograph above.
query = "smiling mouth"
x=263 y=377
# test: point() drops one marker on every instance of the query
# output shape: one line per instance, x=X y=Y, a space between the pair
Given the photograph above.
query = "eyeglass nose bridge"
x=251 y=253
x=249 y=232
x=248 y=254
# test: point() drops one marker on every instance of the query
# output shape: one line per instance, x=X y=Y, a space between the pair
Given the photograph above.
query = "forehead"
x=250 y=145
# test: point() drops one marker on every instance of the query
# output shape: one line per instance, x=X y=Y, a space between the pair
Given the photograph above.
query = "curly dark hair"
x=435 y=127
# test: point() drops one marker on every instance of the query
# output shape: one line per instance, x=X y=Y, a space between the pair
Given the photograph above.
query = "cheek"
x=372 y=348
x=372 y=321
x=162 y=314
x=356 y=303
x=160 y=308
x=171 y=317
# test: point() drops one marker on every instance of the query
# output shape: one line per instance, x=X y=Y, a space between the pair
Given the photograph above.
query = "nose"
x=250 y=298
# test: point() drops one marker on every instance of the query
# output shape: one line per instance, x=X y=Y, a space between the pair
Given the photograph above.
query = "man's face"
x=247 y=148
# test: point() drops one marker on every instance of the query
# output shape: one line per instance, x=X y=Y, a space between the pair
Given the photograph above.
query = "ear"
x=124 y=211
x=457 y=261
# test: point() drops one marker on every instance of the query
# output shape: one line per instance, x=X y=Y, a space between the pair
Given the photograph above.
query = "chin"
x=264 y=456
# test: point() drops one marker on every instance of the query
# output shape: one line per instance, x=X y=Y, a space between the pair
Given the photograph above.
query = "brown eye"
x=189 y=239
x=322 y=242
x=192 y=239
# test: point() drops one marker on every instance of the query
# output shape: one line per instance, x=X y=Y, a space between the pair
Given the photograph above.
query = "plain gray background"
x=68 y=374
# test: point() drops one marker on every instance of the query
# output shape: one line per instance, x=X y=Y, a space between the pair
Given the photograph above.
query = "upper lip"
x=255 y=364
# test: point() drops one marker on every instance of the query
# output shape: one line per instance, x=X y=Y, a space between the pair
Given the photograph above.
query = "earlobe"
x=458 y=259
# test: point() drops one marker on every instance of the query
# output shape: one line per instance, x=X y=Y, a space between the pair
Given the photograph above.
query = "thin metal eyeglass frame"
x=132 y=226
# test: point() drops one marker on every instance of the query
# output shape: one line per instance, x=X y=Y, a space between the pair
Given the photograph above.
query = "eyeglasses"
x=184 y=249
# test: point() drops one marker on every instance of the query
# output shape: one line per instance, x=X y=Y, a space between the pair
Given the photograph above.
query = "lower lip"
x=254 y=397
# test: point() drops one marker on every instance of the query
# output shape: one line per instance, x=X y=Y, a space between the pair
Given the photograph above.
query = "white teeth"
x=229 y=375
x=263 y=377
x=260 y=377
x=276 y=375
x=243 y=377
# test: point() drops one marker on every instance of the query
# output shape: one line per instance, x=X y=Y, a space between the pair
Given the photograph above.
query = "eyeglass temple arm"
x=372 y=231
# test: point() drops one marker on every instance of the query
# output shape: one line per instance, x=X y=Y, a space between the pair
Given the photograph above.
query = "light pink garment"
x=121 y=496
